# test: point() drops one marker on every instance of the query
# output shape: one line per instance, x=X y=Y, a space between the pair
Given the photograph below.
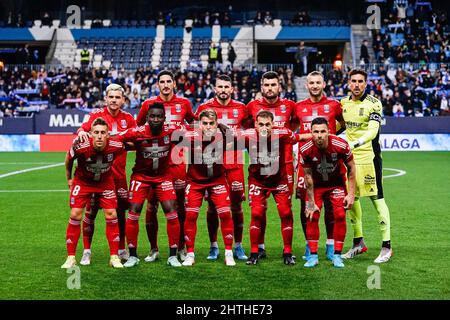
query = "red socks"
x=113 y=236
x=72 y=236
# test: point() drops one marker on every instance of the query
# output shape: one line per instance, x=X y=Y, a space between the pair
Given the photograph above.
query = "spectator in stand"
x=231 y=55
x=364 y=54
x=160 y=20
x=268 y=19
x=46 y=20
x=259 y=19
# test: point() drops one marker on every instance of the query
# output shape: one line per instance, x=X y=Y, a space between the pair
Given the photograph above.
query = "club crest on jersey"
x=283 y=108
x=235 y=113
x=166 y=140
x=326 y=108
x=110 y=157
x=123 y=123
x=334 y=156
x=178 y=107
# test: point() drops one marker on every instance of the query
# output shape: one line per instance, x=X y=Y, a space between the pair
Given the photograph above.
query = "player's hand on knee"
x=311 y=208
x=348 y=202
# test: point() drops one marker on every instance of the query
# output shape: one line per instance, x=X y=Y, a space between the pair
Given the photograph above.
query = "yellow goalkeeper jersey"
x=357 y=115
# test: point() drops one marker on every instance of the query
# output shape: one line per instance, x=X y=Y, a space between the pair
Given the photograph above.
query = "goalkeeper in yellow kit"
x=362 y=116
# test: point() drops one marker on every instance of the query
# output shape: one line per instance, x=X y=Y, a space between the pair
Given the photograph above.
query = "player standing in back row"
x=233 y=114
x=282 y=111
x=317 y=105
x=362 y=115
x=178 y=111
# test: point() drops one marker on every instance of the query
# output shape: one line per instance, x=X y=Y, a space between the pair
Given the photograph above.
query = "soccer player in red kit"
x=266 y=145
x=282 y=110
x=93 y=175
x=118 y=121
x=206 y=173
x=151 y=173
x=233 y=114
x=178 y=112
x=321 y=158
x=317 y=105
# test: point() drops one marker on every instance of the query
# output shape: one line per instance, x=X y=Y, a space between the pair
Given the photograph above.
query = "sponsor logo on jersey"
x=178 y=108
x=326 y=108
x=166 y=186
x=283 y=108
x=237 y=186
x=123 y=123
x=220 y=189
x=334 y=156
x=235 y=113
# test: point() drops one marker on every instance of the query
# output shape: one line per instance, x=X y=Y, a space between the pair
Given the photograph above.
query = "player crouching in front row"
x=93 y=175
x=321 y=159
x=206 y=173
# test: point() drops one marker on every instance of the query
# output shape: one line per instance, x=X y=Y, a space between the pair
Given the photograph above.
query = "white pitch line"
x=27 y=191
x=11 y=163
x=400 y=173
x=30 y=169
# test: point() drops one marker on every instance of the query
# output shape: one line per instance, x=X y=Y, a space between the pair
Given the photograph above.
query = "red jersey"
x=326 y=164
x=152 y=152
x=205 y=157
x=178 y=110
x=306 y=110
x=282 y=111
x=121 y=122
x=234 y=115
x=95 y=166
x=268 y=158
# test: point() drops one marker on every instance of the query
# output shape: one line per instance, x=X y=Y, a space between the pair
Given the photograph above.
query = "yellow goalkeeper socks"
x=356 y=219
x=383 y=218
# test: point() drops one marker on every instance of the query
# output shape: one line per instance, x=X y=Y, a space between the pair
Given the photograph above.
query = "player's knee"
x=339 y=215
x=284 y=210
x=136 y=207
x=236 y=207
x=257 y=214
x=76 y=213
x=110 y=213
x=169 y=206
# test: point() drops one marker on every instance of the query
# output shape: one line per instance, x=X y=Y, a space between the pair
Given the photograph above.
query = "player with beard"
x=93 y=175
x=233 y=114
x=151 y=174
x=178 y=112
x=118 y=121
x=267 y=175
x=282 y=111
x=317 y=105
x=206 y=173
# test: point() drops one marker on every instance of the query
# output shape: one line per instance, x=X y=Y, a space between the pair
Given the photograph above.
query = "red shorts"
x=218 y=193
x=121 y=189
x=258 y=195
x=178 y=173
x=236 y=183
x=142 y=190
x=300 y=186
x=290 y=175
x=82 y=192
x=335 y=195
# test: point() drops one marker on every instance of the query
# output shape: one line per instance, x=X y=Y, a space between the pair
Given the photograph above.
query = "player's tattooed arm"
x=351 y=177
x=311 y=206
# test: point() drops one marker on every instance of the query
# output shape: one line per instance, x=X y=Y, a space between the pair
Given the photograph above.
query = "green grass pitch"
x=33 y=226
